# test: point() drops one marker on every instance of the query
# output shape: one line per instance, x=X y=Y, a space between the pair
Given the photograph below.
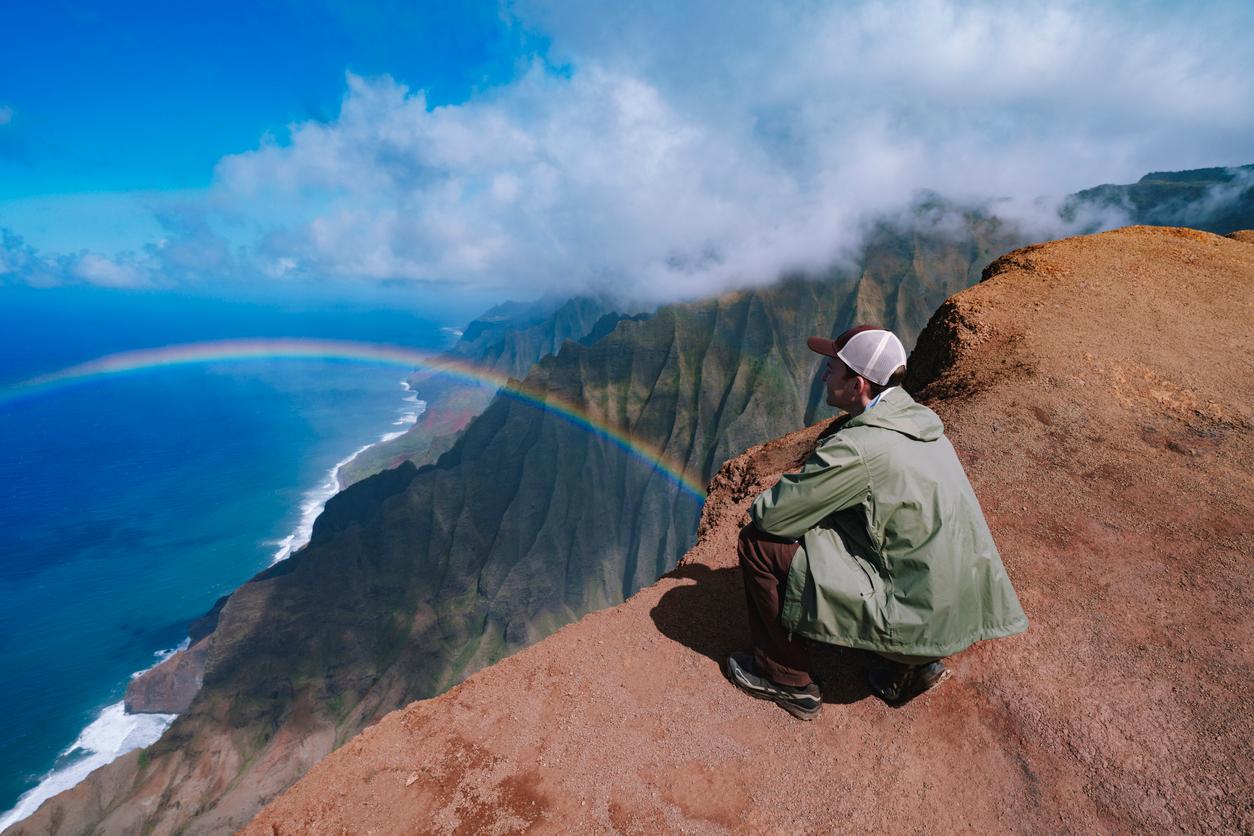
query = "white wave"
x=162 y=655
x=112 y=734
x=411 y=417
x=311 y=506
x=411 y=396
x=315 y=499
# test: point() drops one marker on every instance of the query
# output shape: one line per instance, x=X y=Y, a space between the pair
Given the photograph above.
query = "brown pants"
x=779 y=655
x=764 y=561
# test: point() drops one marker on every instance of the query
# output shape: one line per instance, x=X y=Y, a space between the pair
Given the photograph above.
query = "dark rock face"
x=207 y=623
x=358 y=501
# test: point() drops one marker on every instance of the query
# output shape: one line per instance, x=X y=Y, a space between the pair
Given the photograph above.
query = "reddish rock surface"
x=169 y=687
x=1099 y=391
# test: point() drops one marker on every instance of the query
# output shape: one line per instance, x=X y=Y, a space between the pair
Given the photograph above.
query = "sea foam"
x=112 y=734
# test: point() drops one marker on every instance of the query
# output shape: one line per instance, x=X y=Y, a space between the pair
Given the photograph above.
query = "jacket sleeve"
x=833 y=478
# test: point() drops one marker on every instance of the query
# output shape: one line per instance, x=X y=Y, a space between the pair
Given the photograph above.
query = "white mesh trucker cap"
x=874 y=354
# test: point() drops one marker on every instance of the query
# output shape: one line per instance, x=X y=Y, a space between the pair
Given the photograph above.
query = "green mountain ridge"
x=1219 y=200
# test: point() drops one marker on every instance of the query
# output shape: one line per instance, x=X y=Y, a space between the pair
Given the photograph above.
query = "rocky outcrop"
x=169 y=687
x=1113 y=452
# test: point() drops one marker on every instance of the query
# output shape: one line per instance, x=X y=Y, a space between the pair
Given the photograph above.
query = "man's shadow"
x=709 y=616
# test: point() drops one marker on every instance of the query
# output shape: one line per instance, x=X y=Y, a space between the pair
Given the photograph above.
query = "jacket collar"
x=899 y=412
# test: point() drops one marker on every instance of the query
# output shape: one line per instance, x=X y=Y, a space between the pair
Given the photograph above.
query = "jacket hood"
x=897 y=411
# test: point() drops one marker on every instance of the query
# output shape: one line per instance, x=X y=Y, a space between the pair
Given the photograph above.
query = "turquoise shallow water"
x=128 y=505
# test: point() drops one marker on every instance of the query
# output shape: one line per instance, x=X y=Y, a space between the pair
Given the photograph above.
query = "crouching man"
x=878 y=543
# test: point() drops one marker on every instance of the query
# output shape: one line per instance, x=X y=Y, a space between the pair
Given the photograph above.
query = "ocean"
x=129 y=503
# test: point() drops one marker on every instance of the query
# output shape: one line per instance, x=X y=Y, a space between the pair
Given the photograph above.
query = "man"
x=894 y=554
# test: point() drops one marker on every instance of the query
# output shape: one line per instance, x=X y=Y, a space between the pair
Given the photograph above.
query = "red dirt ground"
x=1099 y=391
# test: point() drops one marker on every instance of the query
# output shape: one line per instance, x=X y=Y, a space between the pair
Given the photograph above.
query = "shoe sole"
x=793 y=709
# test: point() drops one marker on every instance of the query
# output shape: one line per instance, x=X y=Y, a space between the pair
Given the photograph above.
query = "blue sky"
x=149 y=95
x=514 y=147
x=110 y=111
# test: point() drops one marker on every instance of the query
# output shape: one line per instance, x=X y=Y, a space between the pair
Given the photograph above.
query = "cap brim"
x=822 y=345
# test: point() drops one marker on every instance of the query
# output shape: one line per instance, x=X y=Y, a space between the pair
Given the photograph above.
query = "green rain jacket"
x=896 y=555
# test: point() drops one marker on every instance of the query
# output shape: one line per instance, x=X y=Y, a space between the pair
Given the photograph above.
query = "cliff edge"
x=1099 y=392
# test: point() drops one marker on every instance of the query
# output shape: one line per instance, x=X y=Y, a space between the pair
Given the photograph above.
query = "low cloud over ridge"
x=678 y=151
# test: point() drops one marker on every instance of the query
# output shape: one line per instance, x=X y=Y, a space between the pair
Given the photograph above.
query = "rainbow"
x=133 y=362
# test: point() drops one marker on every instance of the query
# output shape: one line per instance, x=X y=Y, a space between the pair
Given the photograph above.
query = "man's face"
x=842 y=385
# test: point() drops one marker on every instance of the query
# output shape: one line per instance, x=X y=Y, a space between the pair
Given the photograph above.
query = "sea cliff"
x=1112 y=451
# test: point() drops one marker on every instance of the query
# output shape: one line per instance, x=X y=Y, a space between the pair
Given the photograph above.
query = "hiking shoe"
x=801 y=702
x=896 y=683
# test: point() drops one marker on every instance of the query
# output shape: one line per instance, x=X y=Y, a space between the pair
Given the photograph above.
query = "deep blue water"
x=128 y=504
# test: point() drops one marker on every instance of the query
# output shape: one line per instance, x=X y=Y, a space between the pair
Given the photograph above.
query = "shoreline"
x=114 y=732
x=111 y=735
x=315 y=499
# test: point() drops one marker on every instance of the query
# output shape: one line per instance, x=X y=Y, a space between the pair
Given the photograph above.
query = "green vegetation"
x=1219 y=200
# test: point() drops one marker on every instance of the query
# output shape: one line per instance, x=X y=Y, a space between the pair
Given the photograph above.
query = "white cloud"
x=22 y=263
x=683 y=148
x=694 y=146
x=189 y=252
x=94 y=268
x=552 y=180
